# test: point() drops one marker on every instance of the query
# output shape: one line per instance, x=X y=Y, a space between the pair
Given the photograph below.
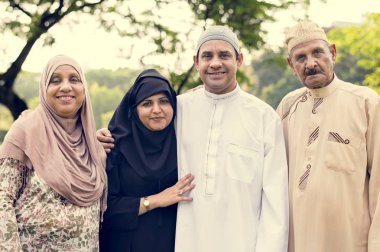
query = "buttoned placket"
x=212 y=144
x=313 y=135
x=212 y=148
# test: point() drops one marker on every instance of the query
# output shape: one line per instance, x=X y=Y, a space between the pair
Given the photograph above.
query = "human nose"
x=156 y=107
x=215 y=62
x=310 y=63
x=65 y=86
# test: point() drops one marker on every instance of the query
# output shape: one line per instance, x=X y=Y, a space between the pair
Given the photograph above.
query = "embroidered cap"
x=304 y=31
x=219 y=32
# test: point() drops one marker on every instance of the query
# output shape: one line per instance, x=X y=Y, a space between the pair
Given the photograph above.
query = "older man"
x=333 y=148
x=233 y=144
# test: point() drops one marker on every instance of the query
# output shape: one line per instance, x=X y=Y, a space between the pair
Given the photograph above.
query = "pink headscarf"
x=63 y=152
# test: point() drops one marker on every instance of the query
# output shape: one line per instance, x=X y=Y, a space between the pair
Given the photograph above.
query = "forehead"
x=309 y=46
x=157 y=96
x=216 y=45
x=65 y=69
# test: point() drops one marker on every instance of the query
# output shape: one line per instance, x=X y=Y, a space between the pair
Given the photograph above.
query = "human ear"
x=240 y=59
x=196 y=62
x=332 y=49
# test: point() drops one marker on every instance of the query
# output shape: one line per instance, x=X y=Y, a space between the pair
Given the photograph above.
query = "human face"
x=65 y=92
x=155 y=112
x=217 y=66
x=313 y=63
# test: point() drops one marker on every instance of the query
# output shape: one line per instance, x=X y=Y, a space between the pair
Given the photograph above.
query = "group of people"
x=214 y=169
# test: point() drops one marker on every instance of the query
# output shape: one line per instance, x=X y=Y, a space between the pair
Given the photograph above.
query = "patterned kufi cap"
x=302 y=32
x=219 y=32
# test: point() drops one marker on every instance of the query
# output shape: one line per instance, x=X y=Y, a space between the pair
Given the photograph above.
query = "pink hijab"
x=63 y=152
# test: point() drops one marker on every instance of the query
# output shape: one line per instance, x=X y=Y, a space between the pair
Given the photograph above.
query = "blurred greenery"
x=358 y=61
x=268 y=76
x=32 y=20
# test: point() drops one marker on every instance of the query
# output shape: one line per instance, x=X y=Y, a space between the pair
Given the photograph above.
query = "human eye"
x=300 y=58
x=55 y=80
x=164 y=100
x=318 y=52
x=206 y=56
x=75 y=79
x=146 y=103
x=225 y=55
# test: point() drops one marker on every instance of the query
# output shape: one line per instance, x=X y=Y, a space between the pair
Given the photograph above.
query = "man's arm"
x=105 y=138
x=373 y=166
x=274 y=218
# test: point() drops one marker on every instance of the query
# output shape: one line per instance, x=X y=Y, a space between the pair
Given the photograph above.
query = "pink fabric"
x=63 y=152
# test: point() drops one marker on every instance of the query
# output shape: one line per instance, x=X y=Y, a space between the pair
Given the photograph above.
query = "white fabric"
x=234 y=146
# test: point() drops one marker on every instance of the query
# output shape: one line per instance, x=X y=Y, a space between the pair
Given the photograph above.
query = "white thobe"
x=234 y=146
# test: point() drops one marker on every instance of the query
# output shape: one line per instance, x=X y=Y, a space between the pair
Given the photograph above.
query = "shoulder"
x=190 y=96
x=257 y=107
x=28 y=123
x=360 y=92
x=293 y=96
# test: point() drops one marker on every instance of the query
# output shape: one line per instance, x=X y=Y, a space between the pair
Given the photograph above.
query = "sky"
x=94 y=48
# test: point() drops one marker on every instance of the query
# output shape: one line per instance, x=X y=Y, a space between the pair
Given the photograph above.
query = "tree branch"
x=91 y=5
x=15 y=5
x=185 y=79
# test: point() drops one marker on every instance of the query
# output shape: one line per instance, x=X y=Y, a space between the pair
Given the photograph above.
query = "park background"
x=115 y=40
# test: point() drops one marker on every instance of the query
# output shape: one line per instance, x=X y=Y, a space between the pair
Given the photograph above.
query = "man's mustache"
x=311 y=71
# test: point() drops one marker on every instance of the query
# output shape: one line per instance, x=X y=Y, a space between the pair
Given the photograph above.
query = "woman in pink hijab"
x=52 y=169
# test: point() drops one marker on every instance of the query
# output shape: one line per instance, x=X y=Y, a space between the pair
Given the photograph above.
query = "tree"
x=32 y=19
x=358 y=50
x=269 y=68
x=36 y=17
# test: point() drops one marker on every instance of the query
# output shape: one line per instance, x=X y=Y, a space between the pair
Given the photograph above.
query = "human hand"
x=175 y=193
x=105 y=138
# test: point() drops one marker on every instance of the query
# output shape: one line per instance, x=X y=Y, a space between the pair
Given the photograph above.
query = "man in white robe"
x=232 y=143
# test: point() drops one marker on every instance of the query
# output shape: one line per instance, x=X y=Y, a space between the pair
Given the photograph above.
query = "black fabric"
x=122 y=229
x=151 y=153
x=143 y=163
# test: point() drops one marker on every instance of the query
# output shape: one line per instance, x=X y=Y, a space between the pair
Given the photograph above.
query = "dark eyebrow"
x=225 y=52
x=319 y=49
x=206 y=52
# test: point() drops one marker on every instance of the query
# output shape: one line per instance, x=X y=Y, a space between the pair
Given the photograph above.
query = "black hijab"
x=152 y=154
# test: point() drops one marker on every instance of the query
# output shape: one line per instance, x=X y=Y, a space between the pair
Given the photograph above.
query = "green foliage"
x=273 y=94
x=358 y=50
x=6 y=119
x=27 y=85
x=32 y=19
x=122 y=78
x=245 y=17
x=104 y=100
x=269 y=68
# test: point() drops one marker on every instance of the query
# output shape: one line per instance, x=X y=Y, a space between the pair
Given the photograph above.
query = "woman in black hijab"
x=142 y=170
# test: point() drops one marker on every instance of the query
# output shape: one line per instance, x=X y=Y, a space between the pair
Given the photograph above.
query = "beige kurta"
x=332 y=137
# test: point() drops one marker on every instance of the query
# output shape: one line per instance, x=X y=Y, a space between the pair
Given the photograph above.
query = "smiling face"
x=65 y=92
x=217 y=66
x=313 y=63
x=155 y=112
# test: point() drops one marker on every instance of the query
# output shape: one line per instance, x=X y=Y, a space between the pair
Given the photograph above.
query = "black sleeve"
x=122 y=211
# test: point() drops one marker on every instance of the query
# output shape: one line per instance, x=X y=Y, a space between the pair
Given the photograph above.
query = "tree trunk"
x=7 y=96
x=12 y=101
